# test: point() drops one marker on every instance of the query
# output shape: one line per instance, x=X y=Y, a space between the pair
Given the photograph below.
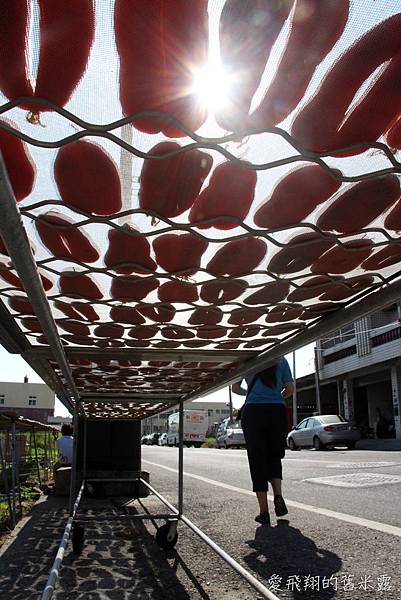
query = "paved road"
x=334 y=480
x=344 y=521
x=339 y=543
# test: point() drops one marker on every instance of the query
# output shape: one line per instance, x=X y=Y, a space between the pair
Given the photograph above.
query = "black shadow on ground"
x=110 y=567
x=284 y=552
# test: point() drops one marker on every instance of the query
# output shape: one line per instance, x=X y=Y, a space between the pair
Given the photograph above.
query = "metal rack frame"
x=16 y=241
x=172 y=518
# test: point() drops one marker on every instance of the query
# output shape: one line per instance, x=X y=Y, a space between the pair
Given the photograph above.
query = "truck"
x=195 y=427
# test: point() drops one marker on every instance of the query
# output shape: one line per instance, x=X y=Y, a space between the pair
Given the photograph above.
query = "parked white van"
x=195 y=427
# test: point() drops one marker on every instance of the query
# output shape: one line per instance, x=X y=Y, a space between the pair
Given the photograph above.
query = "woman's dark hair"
x=67 y=429
x=268 y=376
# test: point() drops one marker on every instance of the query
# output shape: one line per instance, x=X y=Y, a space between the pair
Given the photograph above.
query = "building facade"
x=364 y=361
x=31 y=400
x=216 y=411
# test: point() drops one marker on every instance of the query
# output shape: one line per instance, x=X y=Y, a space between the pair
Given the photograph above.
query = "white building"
x=216 y=411
x=32 y=400
x=365 y=360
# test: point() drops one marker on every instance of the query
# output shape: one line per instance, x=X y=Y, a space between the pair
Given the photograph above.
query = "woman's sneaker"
x=280 y=507
x=263 y=518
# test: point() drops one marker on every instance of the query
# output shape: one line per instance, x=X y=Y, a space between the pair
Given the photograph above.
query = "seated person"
x=65 y=445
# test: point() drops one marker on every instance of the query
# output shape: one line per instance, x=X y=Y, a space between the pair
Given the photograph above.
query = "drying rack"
x=126 y=377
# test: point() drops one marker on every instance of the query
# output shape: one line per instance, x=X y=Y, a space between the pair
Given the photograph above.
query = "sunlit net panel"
x=145 y=378
x=237 y=242
x=121 y=410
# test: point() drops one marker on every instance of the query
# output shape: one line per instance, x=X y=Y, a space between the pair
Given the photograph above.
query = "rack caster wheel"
x=78 y=537
x=166 y=538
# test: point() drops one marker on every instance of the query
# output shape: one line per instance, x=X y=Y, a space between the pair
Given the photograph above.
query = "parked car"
x=162 y=441
x=229 y=434
x=145 y=439
x=321 y=431
x=153 y=439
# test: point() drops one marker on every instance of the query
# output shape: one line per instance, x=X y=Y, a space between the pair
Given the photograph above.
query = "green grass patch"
x=209 y=443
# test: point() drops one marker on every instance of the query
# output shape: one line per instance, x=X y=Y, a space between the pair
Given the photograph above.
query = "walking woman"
x=264 y=423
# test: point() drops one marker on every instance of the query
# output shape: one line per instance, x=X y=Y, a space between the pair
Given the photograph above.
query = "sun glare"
x=211 y=84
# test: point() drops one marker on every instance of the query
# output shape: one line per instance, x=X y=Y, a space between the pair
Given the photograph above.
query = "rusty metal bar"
x=14 y=236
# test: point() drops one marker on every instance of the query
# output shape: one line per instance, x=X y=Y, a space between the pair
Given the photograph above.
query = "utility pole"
x=230 y=403
x=294 y=396
x=317 y=382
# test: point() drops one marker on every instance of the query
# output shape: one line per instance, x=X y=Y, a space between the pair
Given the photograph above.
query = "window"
x=225 y=411
x=302 y=424
x=331 y=419
x=1 y=400
x=210 y=412
x=31 y=401
x=217 y=411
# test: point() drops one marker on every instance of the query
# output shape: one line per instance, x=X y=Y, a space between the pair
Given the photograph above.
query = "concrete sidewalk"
x=392 y=444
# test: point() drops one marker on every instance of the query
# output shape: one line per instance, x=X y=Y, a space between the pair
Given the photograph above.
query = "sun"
x=212 y=85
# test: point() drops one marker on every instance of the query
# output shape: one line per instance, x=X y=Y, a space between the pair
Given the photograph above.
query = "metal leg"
x=36 y=454
x=85 y=449
x=14 y=467
x=181 y=459
x=30 y=444
x=52 y=451
x=46 y=458
x=17 y=473
x=6 y=486
x=172 y=531
x=54 y=573
x=74 y=462
x=257 y=585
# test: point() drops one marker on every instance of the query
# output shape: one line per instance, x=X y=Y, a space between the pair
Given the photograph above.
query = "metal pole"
x=317 y=384
x=30 y=445
x=294 y=396
x=339 y=386
x=181 y=458
x=230 y=403
x=54 y=573
x=14 y=466
x=53 y=449
x=74 y=461
x=233 y=563
x=14 y=236
x=46 y=456
x=85 y=449
x=17 y=473
x=259 y=587
x=6 y=487
x=36 y=453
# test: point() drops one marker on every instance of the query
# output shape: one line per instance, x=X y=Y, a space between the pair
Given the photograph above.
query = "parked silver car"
x=320 y=431
x=229 y=434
